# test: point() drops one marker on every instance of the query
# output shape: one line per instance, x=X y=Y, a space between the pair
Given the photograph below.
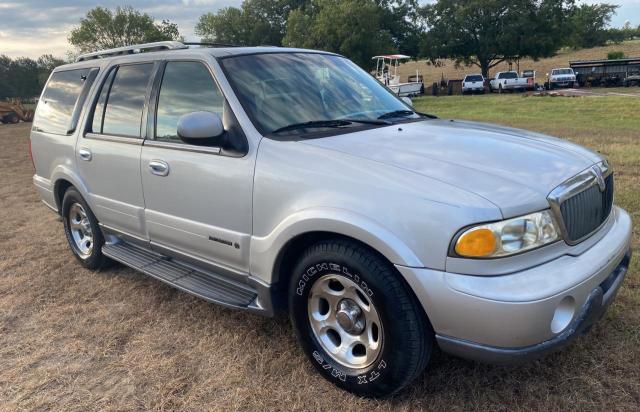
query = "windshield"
x=283 y=89
x=473 y=78
x=563 y=71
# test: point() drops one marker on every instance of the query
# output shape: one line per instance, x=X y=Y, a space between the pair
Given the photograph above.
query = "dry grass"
x=433 y=74
x=71 y=339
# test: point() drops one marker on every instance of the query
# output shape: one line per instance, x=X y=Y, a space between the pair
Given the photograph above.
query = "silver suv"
x=272 y=179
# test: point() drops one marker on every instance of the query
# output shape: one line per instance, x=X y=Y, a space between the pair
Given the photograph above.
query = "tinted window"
x=123 y=114
x=186 y=87
x=55 y=108
x=98 y=113
x=509 y=75
x=473 y=78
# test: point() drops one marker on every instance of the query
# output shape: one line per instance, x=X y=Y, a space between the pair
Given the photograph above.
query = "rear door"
x=198 y=207
x=108 y=154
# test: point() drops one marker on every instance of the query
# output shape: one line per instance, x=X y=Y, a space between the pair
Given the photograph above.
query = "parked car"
x=562 y=78
x=504 y=81
x=271 y=179
x=473 y=83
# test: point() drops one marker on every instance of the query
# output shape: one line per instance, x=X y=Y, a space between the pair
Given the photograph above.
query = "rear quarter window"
x=55 y=111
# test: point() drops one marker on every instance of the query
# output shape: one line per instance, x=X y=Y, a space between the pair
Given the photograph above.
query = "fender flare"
x=62 y=172
x=266 y=250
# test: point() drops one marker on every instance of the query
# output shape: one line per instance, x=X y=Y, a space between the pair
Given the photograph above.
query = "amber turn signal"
x=476 y=243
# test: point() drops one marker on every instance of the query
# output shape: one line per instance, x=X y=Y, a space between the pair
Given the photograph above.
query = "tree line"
x=471 y=32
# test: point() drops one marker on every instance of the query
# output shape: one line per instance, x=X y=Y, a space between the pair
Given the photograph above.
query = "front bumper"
x=529 y=313
x=563 y=83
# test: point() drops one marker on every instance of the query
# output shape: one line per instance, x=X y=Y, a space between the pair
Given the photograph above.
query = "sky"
x=35 y=27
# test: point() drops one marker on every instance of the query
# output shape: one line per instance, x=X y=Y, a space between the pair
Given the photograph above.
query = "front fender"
x=265 y=250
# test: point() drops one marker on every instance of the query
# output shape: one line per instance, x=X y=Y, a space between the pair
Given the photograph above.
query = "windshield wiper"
x=319 y=124
x=405 y=113
x=396 y=113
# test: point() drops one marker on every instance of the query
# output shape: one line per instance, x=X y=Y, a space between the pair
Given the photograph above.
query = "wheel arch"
x=274 y=256
x=63 y=178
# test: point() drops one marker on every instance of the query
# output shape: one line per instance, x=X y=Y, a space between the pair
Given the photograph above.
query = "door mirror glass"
x=200 y=128
x=408 y=101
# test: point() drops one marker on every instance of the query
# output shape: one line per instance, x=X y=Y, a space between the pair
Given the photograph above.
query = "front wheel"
x=357 y=320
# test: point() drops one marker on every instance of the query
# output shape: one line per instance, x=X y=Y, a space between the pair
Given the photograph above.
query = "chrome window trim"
x=571 y=187
x=113 y=138
x=183 y=147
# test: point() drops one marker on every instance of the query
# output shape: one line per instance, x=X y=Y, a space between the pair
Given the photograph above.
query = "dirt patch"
x=72 y=339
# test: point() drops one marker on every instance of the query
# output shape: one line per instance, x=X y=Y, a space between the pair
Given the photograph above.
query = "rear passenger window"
x=186 y=87
x=56 y=106
x=122 y=101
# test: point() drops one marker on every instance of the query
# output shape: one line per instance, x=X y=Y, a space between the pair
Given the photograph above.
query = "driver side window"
x=186 y=87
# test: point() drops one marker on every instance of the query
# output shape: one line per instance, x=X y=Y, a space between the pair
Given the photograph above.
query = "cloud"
x=35 y=27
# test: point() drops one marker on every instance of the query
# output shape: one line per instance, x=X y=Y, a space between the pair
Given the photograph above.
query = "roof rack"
x=136 y=48
x=209 y=44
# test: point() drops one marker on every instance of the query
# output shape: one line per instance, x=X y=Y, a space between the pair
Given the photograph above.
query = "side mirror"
x=200 y=128
x=408 y=101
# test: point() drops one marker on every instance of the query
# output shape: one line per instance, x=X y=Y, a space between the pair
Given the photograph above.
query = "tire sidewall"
x=94 y=260
x=375 y=377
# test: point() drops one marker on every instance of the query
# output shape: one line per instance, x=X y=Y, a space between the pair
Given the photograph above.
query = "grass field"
x=71 y=339
x=561 y=59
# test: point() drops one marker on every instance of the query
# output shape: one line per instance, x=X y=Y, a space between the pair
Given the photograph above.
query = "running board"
x=206 y=285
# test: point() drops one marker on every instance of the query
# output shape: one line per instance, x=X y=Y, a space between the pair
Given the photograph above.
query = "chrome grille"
x=586 y=211
x=584 y=202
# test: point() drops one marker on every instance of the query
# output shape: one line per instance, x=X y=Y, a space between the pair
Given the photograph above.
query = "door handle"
x=159 y=167
x=85 y=154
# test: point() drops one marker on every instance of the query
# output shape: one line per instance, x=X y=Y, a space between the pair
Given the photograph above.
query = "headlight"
x=508 y=237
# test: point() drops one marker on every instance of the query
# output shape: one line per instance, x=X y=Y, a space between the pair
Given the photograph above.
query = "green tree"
x=24 y=77
x=256 y=22
x=353 y=28
x=102 y=28
x=46 y=63
x=588 y=25
x=485 y=33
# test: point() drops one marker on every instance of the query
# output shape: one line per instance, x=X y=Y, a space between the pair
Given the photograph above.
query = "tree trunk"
x=484 y=66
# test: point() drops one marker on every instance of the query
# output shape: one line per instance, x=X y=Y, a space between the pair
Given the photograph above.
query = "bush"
x=614 y=55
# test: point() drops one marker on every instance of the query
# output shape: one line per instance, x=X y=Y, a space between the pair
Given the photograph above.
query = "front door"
x=198 y=198
x=108 y=154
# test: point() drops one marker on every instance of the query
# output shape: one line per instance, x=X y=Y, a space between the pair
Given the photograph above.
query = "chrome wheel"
x=80 y=228
x=344 y=321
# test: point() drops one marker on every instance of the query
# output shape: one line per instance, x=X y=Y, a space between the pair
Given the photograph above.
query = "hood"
x=514 y=169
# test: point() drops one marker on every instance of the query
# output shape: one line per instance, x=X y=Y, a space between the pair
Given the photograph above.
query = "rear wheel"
x=82 y=231
x=358 y=322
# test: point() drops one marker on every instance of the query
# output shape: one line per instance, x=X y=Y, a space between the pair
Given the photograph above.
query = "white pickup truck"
x=507 y=81
x=562 y=78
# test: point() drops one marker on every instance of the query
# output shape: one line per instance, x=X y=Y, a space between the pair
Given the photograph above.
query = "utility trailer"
x=607 y=73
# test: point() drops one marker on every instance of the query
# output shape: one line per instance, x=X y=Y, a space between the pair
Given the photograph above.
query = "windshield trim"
x=310 y=135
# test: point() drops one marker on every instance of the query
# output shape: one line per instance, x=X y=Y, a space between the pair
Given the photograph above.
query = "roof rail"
x=135 y=48
x=209 y=44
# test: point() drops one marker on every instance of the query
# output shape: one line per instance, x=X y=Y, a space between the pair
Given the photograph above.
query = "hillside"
x=543 y=66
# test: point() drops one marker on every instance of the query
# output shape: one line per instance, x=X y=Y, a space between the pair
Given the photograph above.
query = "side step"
x=206 y=285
